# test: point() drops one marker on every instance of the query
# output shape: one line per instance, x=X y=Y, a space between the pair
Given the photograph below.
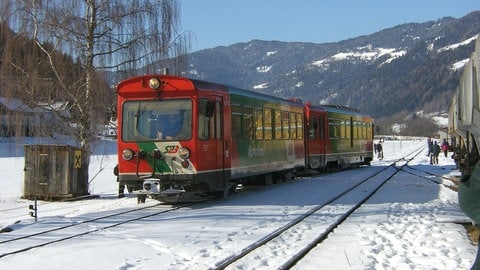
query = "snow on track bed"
x=311 y=227
x=62 y=208
x=410 y=224
x=12 y=243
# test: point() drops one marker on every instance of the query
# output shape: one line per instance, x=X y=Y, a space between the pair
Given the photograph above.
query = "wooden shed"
x=54 y=172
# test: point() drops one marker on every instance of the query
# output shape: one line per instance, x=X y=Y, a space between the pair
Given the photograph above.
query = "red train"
x=182 y=140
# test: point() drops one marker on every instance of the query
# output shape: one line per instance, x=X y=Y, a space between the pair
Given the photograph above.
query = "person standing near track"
x=445 y=147
x=380 y=150
x=429 y=147
x=435 y=151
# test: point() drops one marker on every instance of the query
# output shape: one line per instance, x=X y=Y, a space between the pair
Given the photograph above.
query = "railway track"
x=432 y=177
x=14 y=214
x=11 y=244
x=321 y=220
x=316 y=225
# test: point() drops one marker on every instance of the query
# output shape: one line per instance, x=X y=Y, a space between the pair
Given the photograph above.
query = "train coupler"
x=153 y=186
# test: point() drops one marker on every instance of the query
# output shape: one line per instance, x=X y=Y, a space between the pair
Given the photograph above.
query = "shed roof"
x=14 y=104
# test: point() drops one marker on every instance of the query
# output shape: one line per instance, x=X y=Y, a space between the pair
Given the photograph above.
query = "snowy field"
x=412 y=223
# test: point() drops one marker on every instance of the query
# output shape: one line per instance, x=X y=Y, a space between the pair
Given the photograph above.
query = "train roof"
x=345 y=110
x=194 y=84
x=203 y=85
x=338 y=109
x=211 y=86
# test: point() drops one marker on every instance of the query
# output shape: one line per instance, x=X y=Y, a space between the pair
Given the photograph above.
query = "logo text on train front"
x=171 y=149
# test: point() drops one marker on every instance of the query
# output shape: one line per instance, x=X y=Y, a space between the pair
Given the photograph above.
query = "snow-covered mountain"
x=405 y=68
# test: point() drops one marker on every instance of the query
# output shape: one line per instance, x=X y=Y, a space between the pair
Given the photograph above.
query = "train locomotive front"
x=188 y=140
x=167 y=146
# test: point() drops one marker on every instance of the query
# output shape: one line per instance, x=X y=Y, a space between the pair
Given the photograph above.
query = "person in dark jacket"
x=429 y=147
x=380 y=151
x=435 y=153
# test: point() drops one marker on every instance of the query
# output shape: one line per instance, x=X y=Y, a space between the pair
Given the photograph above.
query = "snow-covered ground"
x=412 y=223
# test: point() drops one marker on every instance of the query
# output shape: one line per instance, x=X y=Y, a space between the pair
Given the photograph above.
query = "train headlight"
x=154 y=83
x=127 y=154
x=184 y=153
x=147 y=186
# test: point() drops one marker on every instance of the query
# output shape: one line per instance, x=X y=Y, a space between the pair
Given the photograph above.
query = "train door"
x=219 y=135
x=316 y=140
x=219 y=146
x=210 y=134
x=323 y=138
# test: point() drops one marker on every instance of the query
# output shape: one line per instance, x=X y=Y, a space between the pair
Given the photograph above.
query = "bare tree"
x=104 y=37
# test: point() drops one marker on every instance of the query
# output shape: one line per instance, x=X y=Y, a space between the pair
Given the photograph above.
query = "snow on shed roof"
x=14 y=104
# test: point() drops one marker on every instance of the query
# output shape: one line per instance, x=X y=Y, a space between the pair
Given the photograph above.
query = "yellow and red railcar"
x=338 y=137
x=181 y=139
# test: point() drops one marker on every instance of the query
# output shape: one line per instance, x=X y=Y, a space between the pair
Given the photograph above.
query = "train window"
x=363 y=135
x=236 y=122
x=337 y=128
x=359 y=130
x=321 y=126
x=348 y=128
x=209 y=107
x=312 y=129
x=205 y=111
x=258 y=123
x=153 y=120
x=277 y=118
x=293 y=126
x=285 y=125
x=218 y=120
x=362 y=130
x=268 y=129
x=248 y=128
x=343 y=129
x=355 y=131
x=331 y=128
x=299 y=126
x=365 y=128
x=358 y=127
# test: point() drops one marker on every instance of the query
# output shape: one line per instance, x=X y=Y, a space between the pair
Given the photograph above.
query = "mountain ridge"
x=398 y=70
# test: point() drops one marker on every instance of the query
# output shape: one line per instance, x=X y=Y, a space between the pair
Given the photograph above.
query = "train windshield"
x=154 y=120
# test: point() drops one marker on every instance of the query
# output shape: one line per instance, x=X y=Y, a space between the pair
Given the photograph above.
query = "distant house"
x=108 y=130
x=18 y=119
x=15 y=117
x=60 y=107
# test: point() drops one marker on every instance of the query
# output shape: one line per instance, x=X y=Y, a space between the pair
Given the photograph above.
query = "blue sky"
x=225 y=22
